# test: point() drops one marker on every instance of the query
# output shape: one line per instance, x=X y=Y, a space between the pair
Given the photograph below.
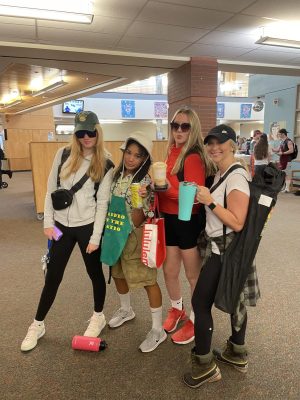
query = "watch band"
x=212 y=205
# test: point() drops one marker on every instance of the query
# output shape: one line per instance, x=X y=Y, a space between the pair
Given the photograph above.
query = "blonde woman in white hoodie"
x=81 y=222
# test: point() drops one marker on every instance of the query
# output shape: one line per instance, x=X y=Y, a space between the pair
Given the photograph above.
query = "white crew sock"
x=98 y=314
x=177 y=304
x=38 y=323
x=125 y=301
x=156 y=314
x=192 y=316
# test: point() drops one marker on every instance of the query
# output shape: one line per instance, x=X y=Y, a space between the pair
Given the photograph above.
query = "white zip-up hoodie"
x=84 y=209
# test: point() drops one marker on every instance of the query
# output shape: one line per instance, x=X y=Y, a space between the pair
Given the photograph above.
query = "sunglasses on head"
x=185 y=127
x=81 y=134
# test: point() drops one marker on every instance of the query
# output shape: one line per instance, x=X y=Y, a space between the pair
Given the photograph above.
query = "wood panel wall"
x=22 y=130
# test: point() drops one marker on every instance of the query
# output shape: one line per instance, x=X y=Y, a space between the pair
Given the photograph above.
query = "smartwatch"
x=212 y=205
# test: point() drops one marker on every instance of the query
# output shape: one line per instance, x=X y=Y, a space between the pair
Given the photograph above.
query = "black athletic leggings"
x=60 y=253
x=203 y=300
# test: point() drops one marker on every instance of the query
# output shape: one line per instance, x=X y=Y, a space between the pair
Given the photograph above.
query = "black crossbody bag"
x=62 y=198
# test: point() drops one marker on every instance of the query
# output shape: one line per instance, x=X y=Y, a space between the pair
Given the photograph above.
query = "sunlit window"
x=153 y=85
x=233 y=84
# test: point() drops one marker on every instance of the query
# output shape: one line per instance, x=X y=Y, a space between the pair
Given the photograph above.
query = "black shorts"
x=183 y=234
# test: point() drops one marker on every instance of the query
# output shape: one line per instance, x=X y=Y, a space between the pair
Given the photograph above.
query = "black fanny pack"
x=62 y=198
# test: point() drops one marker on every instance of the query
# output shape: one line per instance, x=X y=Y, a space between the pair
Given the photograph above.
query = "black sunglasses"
x=185 y=127
x=81 y=134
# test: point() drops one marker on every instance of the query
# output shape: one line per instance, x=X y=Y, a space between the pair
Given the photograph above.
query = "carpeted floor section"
x=54 y=371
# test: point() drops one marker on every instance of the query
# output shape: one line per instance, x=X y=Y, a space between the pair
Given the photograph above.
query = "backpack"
x=238 y=257
x=295 y=153
x=65 y=155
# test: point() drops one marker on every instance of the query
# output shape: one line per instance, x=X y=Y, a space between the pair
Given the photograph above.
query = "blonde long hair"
x=97 y=166
x=195 y=141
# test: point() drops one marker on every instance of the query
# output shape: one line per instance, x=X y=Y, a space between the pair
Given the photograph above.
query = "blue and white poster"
x=245 y=111
x=128 y=108
x=220 y=110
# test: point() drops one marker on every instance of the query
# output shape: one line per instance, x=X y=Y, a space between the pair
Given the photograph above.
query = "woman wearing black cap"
x=81 y=222
x=285 y=149
x=221 y=148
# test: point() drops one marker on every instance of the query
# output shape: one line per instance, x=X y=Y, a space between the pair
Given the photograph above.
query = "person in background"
x=261 y=153
x=285 y=149
x=221 y=147
x=247 y=146
x=274 y=143
x=241 y=145
x=255 y=138
x=187 y=157
x=3 y=171
x=129 y=272
x=244 y=146
x=82 y=222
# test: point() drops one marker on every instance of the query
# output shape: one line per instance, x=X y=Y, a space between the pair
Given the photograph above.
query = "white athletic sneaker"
x=97 y=323
x=153 y=339
x=121 y=316
x=34 y=333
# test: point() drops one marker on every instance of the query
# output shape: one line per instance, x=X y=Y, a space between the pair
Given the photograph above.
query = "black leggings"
x=60 y=253
x=203 y=300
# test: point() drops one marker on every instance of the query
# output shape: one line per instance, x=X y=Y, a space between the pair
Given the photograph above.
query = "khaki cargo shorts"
x=130 y=266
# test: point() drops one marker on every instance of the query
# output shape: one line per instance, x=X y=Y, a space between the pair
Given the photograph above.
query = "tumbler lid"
x=102 y=345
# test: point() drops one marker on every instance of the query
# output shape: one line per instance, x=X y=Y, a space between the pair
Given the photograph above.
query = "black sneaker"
x=9 y=174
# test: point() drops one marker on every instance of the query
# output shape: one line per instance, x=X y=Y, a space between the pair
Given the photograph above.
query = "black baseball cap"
x=222 y=133
x=284 y=131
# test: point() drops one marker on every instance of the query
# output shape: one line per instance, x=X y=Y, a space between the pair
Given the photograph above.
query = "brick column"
x=195 y=84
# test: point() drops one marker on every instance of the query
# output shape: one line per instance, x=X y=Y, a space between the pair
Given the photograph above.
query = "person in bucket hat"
x=128 y=271
x=142 y=139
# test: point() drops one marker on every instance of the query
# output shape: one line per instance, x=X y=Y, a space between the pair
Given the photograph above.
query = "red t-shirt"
x=194 y=171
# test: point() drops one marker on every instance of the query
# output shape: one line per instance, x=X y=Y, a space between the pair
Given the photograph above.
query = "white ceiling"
x=217 y=28
x=226 y=30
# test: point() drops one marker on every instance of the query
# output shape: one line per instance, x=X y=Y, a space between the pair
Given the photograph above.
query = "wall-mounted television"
x=72 y=106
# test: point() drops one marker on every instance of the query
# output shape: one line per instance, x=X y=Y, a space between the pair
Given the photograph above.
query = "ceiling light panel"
x=14 y=103
x=279 y=42
x=64 y=10
x=281 y=29
x=49 y=88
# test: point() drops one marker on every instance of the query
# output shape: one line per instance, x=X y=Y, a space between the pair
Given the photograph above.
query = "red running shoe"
x=184 y=335
x=174 y=316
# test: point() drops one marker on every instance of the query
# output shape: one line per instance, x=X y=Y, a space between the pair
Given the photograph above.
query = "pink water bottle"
x=88 y=343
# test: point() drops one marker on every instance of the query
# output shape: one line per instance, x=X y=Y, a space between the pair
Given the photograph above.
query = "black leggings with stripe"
x=60 y=253
x=203 y=300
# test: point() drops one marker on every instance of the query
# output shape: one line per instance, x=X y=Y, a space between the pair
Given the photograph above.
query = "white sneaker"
x=97 y=323
x=153 y=339
x=121 y=316
x=34 y=333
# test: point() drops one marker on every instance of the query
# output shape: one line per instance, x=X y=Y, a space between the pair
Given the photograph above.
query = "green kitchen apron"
x=116 y=232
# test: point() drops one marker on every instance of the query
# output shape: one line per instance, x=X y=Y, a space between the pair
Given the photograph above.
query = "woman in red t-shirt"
x=186 y=157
